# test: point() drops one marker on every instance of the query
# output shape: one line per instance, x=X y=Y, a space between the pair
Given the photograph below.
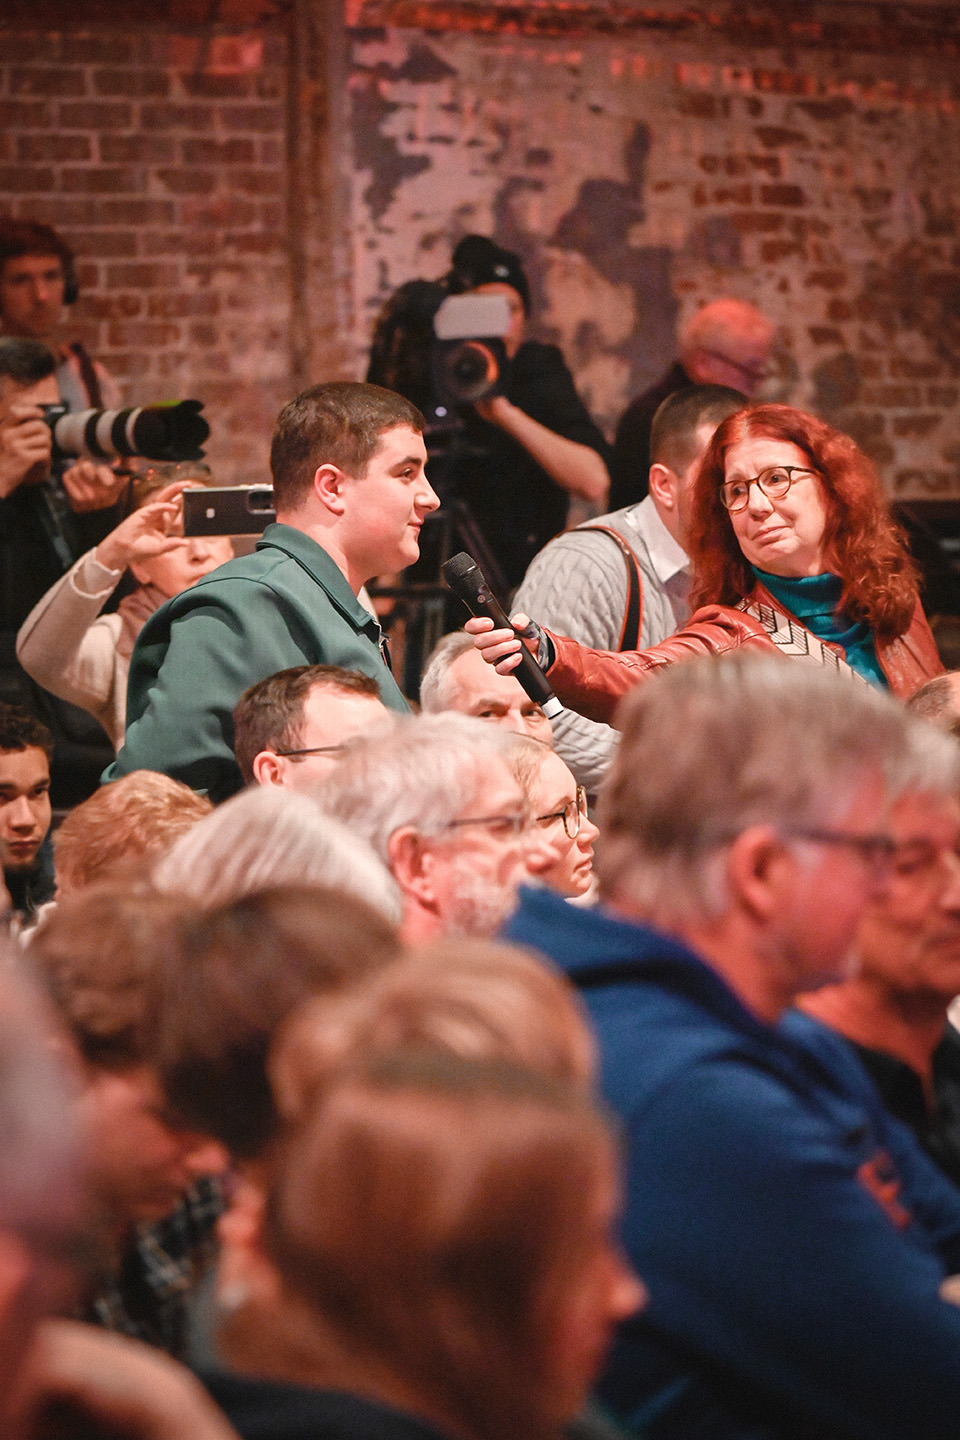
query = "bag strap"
x=88 y=374
x=633 y=614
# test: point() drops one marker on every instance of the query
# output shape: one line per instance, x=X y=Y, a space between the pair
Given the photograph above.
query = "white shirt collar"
x=667 y=556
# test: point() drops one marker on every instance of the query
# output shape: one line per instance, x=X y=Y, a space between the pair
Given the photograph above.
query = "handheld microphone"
x=465 y=579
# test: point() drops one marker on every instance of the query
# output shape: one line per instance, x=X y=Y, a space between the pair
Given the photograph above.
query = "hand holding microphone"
x=499 y=646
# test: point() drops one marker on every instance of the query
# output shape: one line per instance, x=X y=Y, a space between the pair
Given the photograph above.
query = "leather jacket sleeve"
x=592 y=682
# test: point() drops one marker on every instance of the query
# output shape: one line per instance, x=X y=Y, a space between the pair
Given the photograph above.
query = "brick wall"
x=160 y=156
x=811 y=168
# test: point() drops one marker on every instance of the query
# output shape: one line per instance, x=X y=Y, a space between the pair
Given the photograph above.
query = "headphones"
x=71 y=290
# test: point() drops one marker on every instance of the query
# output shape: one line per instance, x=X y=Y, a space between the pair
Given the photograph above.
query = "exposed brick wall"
x=640 y=174
x=161 y=158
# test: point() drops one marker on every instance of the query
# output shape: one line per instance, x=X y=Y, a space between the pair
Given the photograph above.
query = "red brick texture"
x=160 y=156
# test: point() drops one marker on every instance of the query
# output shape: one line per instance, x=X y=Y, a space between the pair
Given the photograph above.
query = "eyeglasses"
x=756 y=374
x=774 y=482
x=571 y=814
x=314 y=750
x=877 y=851
x=502 y=826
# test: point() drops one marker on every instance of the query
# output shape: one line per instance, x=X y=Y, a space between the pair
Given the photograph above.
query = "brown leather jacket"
x=593 y=681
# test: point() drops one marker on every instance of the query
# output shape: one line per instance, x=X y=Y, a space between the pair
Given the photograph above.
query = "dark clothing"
x=630 y=462
x=149 y=1295
x=515 y=503
x=270 y=1410
x=29 y=889
x=793 y=1236
x=901 y=1091
x=40 y=538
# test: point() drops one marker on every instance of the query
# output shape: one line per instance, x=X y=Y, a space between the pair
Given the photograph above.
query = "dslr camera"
x=169 y=431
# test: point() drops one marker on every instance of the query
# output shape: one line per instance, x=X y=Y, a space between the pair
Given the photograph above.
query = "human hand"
x=501 y=648
x=152 y=530
x=26 y=447
x=121 y=1385
x=90 y=486
x=496 y=409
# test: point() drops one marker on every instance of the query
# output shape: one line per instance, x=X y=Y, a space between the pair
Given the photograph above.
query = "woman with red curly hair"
x=792 y=547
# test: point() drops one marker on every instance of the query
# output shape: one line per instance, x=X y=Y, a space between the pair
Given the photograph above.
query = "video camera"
x=469 y=358
x=170 y=431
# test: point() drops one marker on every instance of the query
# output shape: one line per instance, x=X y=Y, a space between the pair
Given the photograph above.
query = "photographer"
x=522 y=453
x=44 y=527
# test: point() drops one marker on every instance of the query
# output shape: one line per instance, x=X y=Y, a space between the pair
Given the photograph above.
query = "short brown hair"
x=96 y=954
x=228 y=980
x=339 y=423
x=123 y=828
x=269 y=715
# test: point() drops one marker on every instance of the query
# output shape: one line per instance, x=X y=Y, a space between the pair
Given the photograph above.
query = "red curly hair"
x=862 y=542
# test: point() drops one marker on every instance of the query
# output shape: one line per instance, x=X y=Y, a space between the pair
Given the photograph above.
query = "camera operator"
x=44 y=528
x=525 y=451
x=37 y=279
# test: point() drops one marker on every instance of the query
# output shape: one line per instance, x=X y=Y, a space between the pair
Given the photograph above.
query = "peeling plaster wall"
x=639 y=178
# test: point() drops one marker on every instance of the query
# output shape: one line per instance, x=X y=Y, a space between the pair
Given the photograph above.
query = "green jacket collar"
x=321 y=567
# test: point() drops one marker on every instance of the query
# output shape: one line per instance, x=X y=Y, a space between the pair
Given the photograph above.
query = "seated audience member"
x=290 y=729
x=25 y=814
x=228 y=979
x=893 y=1008
x=622 y=582
x=791 y=1233
x=727 y=342
x=269 y=836
x=558 y=806
x=454 y=680
x=94 y=1384
x=478 y=999
x=97 y=955
x=443 y=1234
x=939 y=701
x=437 y=802
x=123 y=829
x=66 y=645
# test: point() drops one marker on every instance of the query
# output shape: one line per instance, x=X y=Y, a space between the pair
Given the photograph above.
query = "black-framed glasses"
x=756 y=374
x=571 y=814
x=502 y=826
x=775 y=481
x=314 y=750
x=877 y=851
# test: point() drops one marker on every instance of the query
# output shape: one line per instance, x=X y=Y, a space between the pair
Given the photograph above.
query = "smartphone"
x=228 y=510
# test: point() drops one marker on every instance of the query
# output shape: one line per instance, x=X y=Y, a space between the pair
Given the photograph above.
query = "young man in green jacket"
x=351 y=495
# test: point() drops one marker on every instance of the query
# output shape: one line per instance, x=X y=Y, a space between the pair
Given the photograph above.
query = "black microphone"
x=465 y=578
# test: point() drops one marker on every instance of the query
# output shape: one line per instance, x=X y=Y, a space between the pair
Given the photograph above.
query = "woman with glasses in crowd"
x=792 y=547
x=558 y=807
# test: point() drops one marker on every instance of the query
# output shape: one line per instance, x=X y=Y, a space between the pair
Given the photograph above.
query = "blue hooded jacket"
x=791 y=1234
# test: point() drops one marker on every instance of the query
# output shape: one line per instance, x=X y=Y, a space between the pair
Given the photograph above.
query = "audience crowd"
x=360 y=1078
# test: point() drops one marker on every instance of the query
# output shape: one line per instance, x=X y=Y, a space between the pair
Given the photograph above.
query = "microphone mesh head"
x=457 y=567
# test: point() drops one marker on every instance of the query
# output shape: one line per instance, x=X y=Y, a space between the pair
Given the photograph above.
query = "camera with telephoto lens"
x=170 y=431
x=469 y=357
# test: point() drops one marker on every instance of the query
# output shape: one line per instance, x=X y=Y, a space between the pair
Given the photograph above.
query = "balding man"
x=728 y=342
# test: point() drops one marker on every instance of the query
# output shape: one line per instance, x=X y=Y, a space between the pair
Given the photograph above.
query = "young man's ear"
x=328 y=487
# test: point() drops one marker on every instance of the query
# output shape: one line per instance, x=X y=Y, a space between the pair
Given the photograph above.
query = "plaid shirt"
x=148 y=1295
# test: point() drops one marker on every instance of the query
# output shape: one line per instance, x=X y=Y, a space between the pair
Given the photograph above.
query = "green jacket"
x=286 y=604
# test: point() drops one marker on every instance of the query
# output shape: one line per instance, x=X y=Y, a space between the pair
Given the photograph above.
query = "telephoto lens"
x=173 y=430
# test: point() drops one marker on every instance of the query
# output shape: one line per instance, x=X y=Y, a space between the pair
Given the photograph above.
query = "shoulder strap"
x=88 y=374
x=633 y=614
